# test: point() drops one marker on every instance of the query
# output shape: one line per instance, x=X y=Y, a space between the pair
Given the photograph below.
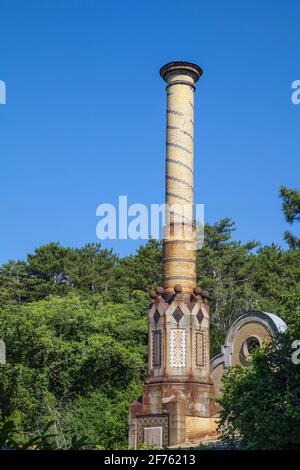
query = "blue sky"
x=85 y=115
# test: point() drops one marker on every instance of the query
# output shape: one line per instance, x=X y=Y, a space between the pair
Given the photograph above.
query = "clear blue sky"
x=85 y=115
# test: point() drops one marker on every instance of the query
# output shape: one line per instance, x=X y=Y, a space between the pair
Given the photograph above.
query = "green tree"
x=55 y=270
x=103 y=421
x=63 y=348
x=49 y=265
x=141 y=271
x=260 y=403
x=225 y=268
x=241 y=277
x=291 y=211
x=15 y=283
x=93 y=268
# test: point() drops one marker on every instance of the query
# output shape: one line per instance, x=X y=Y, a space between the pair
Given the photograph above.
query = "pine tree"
x=291 y=211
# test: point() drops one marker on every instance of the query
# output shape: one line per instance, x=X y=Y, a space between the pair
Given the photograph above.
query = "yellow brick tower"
x=179 y=239
x=176 y=404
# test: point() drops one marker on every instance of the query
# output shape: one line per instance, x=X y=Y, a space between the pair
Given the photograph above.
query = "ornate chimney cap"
x=181 y=67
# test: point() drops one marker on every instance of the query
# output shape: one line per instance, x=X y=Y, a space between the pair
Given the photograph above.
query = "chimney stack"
x=179 y=242
x=177 y=396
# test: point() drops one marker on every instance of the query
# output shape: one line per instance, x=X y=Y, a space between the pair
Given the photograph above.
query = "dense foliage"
x=74 y=361
x=261 y=403
x=75 y=328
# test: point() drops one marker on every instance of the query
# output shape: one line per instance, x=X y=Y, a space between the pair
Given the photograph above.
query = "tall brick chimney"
x=177 y=397
x=179 y=233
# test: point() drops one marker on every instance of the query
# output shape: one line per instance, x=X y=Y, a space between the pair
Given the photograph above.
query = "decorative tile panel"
x=200 y=350
x=156 y=349
x=177 y=347
x=152 y=421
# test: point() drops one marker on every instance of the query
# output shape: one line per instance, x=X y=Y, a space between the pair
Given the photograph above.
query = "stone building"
x=177 y=402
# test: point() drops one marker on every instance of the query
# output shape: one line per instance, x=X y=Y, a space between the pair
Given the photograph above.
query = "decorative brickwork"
x=178 y=382
x=153 y=421
x=200 y=348
x=156 y=316
x=200 y=316
x=177 y=315
x=156 y=348
x=177 y=347
x=180 y=177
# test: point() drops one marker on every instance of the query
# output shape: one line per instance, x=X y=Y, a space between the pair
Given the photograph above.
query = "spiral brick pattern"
x=179 y=245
